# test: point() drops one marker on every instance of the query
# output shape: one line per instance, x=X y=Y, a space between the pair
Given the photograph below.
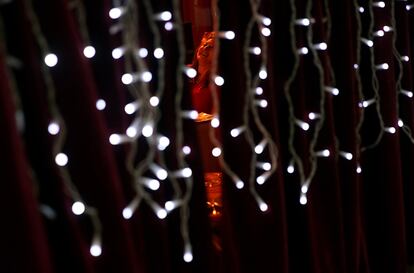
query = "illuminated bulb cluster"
x=129 y=78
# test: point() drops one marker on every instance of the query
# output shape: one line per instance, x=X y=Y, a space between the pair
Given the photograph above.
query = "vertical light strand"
x=56 y=116
x=375 y=82
x=287 y=89
x=184 y=209
x=318 y=127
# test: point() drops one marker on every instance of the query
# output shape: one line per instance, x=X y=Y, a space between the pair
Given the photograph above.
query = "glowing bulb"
x=115 y=139
x=163 y=143
x=379 y=33
x=302 y=124
x=313 y=116
x=131 y=131
x=170 y=205
x=190 y=72
x=290 y=169
x=127 y=78
x=100 y=104
x=51 y=60
x=131 y=107
x=379 y=4
x=366 y=103
x=346 y=155
x=361 y=9
x=89 y=51
x=303 y=22
x=356 y=66
x=215 y=122
x=259 y=91
x=147 y=130
x=321 y=46
x=267 y=166
x=230 y=35
x=115 y=13
x=255 y=50
x=263 y=74
x=53 y=128
x=168 y=26
x=266 y=21
x=161 y=174
x=154 y=101
x=95 y=250
x=219 y=81
x=61 y=159
x=158 y=53
x=187 y=172
x=303 y=51
x=303 y=200
x=400 y=123
x=407 y=93
x=390 y=130
x=383 y=66
x=263 y=206
x=143 y=52
x=387 y=28
x=409 y=7
x=153 y=184
x=304 y=188
x=237 y=131
x=188 y=255
x=368 y=42
x=324 y=153
x=259 y=148
x=266 y=31
x=239 y=184
x=161 y=213
x=262 y=103
x=193 y=114
x=127 y=213
x=405 y=58
x=186 y=150
x=216 y=152
x=358 y=169
x=78 y=208
x=146 y=76
x=334 y=91
x=117 y=52
x=260 y=180
x=165 y=16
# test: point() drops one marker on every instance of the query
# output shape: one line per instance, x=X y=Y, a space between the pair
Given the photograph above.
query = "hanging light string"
x=375 y=82
x=399 y=87
x=179 y=137
x=319 y=124
x=359 y=86
x=149 y=112
x=251 y=106
x=296 y=159
x=59 y=130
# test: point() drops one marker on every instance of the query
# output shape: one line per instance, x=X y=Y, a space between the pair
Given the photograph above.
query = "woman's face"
x=205 y=51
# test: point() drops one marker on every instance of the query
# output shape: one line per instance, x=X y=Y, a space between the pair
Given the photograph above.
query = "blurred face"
x=205 y=51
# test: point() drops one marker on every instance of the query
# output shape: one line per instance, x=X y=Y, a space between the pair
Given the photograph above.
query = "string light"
x=368 y=42
x=261 y=179
x=219 y=81
x=400 y=123
x=361 y=9
x=262 y=103
x=304 y=189
x=387 y=28
x=193 y=114
x=168 y=26
x=89 y=52
x=346 y=155
x=320 y=46
x=158 y=53
x=96 y=250
x=237 y=131
x=379 y=4
x=313 y=116
x=323 y=153
x=264 y=165
x=406 y=93
x=263 y=74
x=290 y=169
x=215 y=122
x=409 y=7
x=143 y=52
x=53 y=128
x=171 y=205
x=129 y=210
x=51 y=60
x=61 y=159
x=259 y=91
x=302 y=124
x=154 y=101
x=302 y=22
x=118 y=52
x=78 y=208
x=163 y=142
x=334 y=91
x=190 y=72
x=100 y=104
x=266 y=32
x=379 y=33
x=255 y=50
x=131 y=107
x=229 y=35
x=405 y=58
x=188 y=253
x=303 y=200
x=115 y=13
x=164 y=16
x=150 y=183
x=366 y=103
x=159 y=172
x=216 y=152
x=147 y=130
x=260 y=147
x=383 y=66
x=186 y=150
x=390 y=130
x=303 y=51
x=358 y=169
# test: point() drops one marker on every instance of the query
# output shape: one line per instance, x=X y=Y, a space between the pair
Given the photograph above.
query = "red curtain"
x=353 y=221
